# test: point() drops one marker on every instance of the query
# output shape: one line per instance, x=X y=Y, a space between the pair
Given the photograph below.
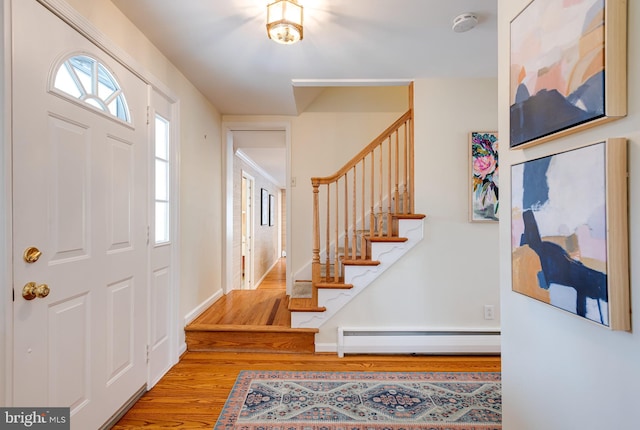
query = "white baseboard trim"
x=182 y=349
x=326 y=347
x=359 y=340
x=195 y=313
x=257 y=284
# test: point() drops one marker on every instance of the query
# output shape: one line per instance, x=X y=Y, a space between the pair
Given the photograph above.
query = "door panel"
x=68 y=151
x=80 y=196
x=120 y=328
x=162 y=238
x=68 y=352
x=121 y=193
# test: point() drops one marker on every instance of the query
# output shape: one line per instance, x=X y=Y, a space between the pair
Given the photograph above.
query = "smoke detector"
x=464 y=22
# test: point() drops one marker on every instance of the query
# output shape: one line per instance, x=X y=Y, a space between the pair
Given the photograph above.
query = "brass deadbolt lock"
x=31 y=254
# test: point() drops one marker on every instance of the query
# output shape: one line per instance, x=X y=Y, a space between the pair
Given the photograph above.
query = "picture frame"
x=264 y=206
x=272 y=210
x=568 y=68
x=483 y=176
x=569 y=232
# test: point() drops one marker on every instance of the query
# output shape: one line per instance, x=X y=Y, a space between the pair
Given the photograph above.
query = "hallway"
x=264 y=306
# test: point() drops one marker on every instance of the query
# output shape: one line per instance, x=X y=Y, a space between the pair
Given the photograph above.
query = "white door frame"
x=228 y=127
x=69 y=15
x=174 y=221
x=6 y=226
x=249 y=220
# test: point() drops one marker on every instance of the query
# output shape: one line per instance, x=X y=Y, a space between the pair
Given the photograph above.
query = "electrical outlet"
x=489 y=312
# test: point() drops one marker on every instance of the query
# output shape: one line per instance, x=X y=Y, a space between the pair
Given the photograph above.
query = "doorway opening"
x=245 y=143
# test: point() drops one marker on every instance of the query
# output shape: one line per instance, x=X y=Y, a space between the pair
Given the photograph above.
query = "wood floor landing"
x=251 y=321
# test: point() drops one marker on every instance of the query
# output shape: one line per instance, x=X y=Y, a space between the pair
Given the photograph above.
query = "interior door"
x=80 y=197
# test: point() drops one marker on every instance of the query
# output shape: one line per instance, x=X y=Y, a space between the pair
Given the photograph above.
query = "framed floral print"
x=483 y=172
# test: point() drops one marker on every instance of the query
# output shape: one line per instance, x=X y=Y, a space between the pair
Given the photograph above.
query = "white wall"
x=445 y=281
x=200 y=157
x=559 y=371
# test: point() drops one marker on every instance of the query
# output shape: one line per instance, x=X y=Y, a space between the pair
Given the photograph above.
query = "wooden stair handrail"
x=408 y=116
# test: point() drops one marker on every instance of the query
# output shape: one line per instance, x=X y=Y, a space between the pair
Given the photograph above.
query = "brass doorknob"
x=30 y=291
x=31 y=254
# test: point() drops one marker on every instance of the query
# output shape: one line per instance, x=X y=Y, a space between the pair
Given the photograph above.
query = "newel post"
x=315 y=259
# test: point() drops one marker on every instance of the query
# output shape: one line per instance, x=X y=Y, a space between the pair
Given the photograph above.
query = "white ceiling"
x=222 y=47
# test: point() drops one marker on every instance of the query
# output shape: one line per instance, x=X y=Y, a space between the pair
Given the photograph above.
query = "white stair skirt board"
x=361 y=276
x=378 y=340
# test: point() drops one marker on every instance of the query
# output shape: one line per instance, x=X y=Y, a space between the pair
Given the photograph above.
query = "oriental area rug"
x=286 y=400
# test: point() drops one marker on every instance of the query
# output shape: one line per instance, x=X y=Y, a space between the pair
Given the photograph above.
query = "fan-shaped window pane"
x=85 y=79
x=106 y=83
x=93 y=102
x=65 y=82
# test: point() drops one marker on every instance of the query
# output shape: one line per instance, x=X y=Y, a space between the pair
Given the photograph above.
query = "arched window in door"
x=84 y=78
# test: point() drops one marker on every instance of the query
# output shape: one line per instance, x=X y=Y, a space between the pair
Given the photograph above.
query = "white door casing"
x=79 y=195
x=248 y=198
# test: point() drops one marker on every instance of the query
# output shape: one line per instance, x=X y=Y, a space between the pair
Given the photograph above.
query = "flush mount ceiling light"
x=284 y=21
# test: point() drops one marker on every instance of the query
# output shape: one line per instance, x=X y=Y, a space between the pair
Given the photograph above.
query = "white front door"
x=80 y=197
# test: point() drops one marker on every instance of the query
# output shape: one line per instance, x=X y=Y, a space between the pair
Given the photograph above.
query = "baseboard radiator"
x=352 y=340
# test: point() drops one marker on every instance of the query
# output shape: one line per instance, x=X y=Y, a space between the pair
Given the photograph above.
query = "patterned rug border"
x=228 y=416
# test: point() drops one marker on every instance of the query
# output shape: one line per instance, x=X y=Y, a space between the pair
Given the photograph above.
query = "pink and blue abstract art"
x=559 y=231
x=557 y=67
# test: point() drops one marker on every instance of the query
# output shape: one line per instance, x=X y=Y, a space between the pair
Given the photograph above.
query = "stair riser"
x=250 y=342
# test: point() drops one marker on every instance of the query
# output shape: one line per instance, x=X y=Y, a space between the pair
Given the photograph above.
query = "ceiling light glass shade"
x=284 y=21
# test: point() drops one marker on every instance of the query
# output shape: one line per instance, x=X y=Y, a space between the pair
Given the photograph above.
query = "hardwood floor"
x=265 y=306
x=251 y=321
x=191 y=395
x=276 y=279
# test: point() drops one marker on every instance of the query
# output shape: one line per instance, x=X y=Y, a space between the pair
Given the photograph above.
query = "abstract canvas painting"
x=569 y=232
x=483 y=152
x=567 y=67
x=264 y=207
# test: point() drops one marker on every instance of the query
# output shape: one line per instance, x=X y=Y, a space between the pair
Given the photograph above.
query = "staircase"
x=363 y=222
x=332 y=294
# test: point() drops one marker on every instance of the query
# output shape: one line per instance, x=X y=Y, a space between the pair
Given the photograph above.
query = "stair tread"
x=247 y=328
x=336 y=285
x=383 y=239
x=359 y=262
x=409 y=216
x=304 y=305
